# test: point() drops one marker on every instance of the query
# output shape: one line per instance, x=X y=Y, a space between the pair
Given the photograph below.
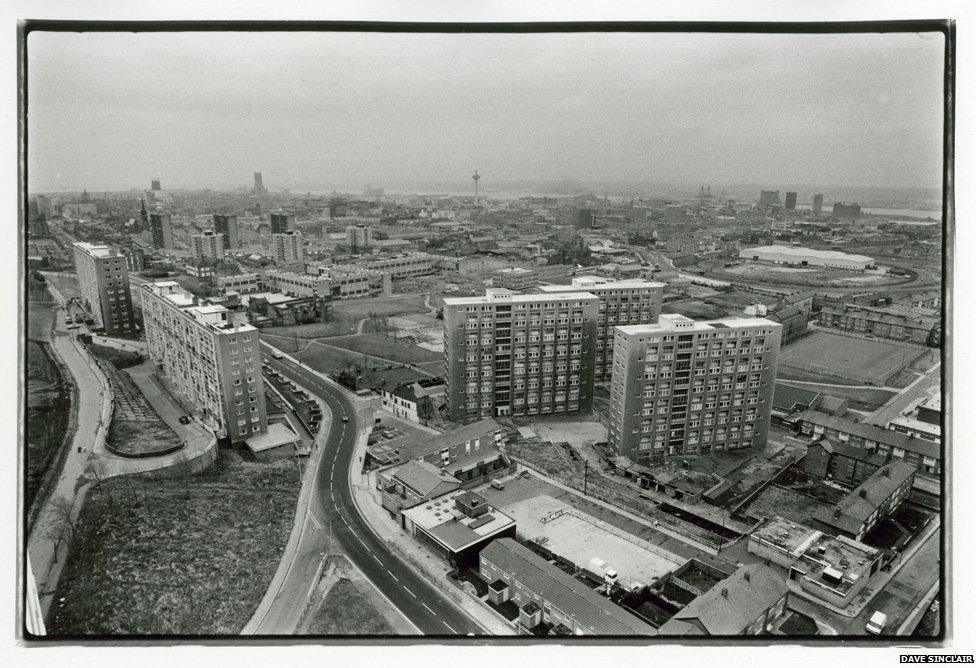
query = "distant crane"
x=476 y=177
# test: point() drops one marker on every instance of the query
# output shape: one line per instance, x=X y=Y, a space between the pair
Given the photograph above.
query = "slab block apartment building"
x=519 y=354
x=691 y=387
x=624 y=302
x=103 y=283
x=212 y=360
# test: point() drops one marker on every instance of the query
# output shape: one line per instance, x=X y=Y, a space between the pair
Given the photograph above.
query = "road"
x=337 y=519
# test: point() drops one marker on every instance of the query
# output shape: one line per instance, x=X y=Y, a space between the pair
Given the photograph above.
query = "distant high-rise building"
x=227 y=225
x=208 y=245
x=286 y=247
x=282 y=222
x=817 y=203
x=213 y=359
x=338 y=208
x=154 y=185
x=790 y=200
x=519 y=354
x=768 y=198
x=584 y=218
x=259 y=184
x=849 y=211
x=103 y=282
x=143 y=214
x=704 y=197
x=683 y=387
x=161 y=225
x=359 y=238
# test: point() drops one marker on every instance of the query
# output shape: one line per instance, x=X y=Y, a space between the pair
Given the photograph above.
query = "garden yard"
x=181 y=556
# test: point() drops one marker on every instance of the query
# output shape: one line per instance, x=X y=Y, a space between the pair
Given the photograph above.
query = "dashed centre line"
x=448 y=626
x=392 y=575
x=429 y=610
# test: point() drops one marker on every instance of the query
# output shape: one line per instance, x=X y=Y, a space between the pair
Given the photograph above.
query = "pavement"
x=922 y=387
x=93 y=407
x=336 y=526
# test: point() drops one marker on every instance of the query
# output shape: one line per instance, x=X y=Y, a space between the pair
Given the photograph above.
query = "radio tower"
x=476 y=178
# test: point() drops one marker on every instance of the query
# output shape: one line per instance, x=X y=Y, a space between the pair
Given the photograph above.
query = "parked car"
x=877 y=623
x=277 y=354
x=497 y=484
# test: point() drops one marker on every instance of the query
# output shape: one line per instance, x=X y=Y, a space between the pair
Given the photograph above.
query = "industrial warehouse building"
x=806 y=257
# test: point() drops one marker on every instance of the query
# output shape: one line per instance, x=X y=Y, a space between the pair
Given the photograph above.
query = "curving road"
x=337 y=519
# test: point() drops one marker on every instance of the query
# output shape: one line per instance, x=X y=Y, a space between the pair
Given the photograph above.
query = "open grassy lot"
x=345 y=611
x=136 y=428
x=329 y=358
x=121 y=359
x=183 y=556
x=835 y=357
x=41 y=309
x=392 y=305
x=775 y=500
x=47 y=416
x=387 y=348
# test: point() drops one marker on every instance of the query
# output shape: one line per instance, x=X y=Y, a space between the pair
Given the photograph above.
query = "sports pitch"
x=836 y=356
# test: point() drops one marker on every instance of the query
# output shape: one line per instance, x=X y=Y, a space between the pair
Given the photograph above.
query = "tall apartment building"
x=684 y=387
x=211 y=359
x=282 y=222
x=286 y=247
x=208 y=245
x=227 y=225
x=623 y=302
x=817 y=203
x=359 y=238
x=790 y=200
x=103 y=281
x=161 y=225
x=519 y=354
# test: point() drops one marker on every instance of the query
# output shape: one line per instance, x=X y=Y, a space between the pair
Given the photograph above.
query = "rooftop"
x=838 y=563
x=787 y=396
x=95 y=250
x=599 y=282
x=441 y=519
x=518 y=298
x=590 y=610
x=733 y=604
x=787 y=535
x=674 y=322
x=853 y=510
x=809 y=252
x=872 y=432
x=422 y=477
x=277 y=435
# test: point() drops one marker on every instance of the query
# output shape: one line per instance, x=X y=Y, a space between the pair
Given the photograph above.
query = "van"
x=497 y=484
x=877 y=623
x=278 y=355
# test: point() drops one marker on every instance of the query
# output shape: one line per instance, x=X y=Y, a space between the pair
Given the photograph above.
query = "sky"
x=108 y=111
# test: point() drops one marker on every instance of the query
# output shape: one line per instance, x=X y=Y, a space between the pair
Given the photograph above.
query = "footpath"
x=430 y=566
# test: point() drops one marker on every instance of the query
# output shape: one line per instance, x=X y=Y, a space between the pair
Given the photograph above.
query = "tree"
x=425 y=408
x=61 y=527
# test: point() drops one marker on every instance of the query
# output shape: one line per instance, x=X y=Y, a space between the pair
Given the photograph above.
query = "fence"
x=598 y=490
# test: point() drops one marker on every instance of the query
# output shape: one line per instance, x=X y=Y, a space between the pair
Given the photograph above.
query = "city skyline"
x=112 y=110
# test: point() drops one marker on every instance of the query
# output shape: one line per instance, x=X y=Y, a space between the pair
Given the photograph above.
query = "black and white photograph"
x=496 y=333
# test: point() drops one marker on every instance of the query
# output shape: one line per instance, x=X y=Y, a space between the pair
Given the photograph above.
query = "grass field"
x=47 y=417
x=386 y=347
x=835 y=356
x=183 y=556
x=345 y=611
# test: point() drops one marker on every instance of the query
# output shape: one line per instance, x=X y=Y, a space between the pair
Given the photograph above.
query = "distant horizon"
x=600 y=108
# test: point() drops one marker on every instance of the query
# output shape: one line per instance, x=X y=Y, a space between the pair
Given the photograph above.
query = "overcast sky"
x=108 y=111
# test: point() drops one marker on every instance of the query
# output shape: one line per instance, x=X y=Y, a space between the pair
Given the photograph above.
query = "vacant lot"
x=786 y=503
x=345 y=611
x=184 y=556
x=136 y=429
x=835 y=357
x=120 y=359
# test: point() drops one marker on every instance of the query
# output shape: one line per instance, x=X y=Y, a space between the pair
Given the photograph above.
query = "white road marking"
x=392 y=575
x=408 y=591
x=429 y=610
x=375 y=557
x=448 y=626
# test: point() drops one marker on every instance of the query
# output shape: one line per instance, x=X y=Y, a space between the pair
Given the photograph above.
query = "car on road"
x=877 y=623
x=345 y=419
x=278 y=355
